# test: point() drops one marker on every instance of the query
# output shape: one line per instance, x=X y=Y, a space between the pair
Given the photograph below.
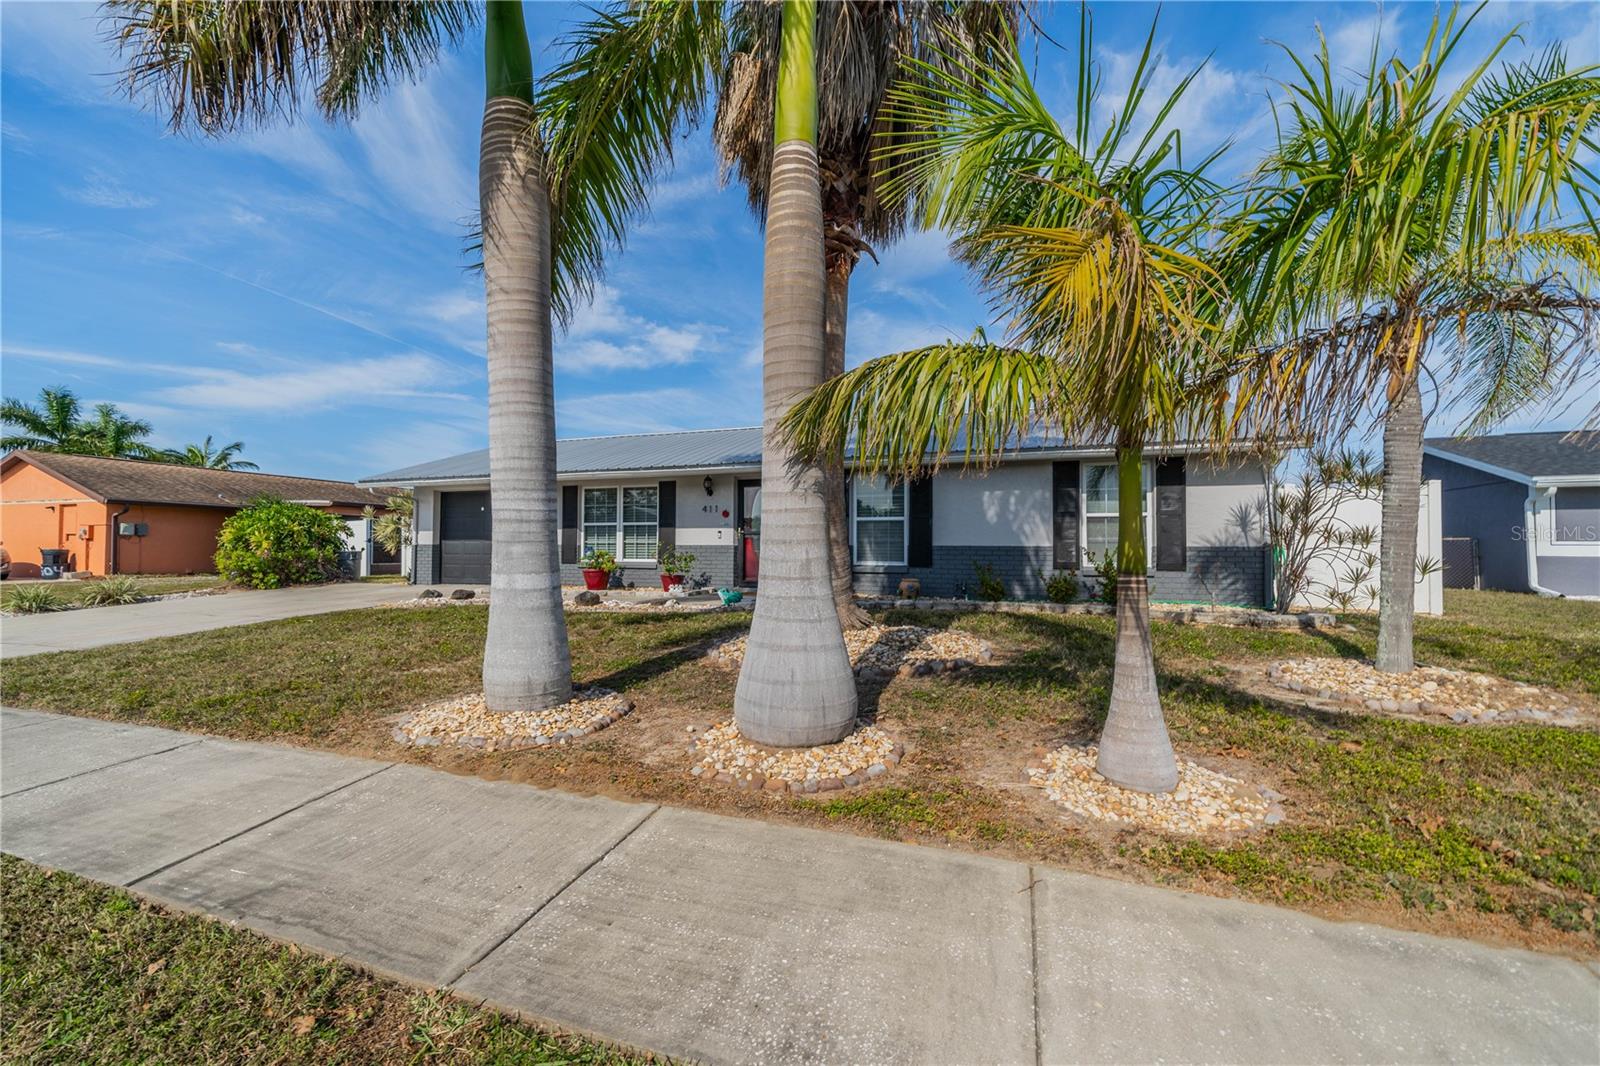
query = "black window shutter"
x=667 y=514
x=1171 y=514
x=1064 y=513
x=569 y=524
x=919 y=538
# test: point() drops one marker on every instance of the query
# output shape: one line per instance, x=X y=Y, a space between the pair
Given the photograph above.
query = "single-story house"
x=1045 y=507
x=1521 y=510
x=130 y=516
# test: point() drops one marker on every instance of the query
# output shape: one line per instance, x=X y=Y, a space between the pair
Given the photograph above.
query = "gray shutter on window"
x=919 y=537
x=1171 y=517
x=1064 y=513
x=569 y=523
x=667 y=514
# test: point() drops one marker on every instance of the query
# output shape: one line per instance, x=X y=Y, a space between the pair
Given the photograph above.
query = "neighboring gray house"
x=1530 y=501
x=1041 y=509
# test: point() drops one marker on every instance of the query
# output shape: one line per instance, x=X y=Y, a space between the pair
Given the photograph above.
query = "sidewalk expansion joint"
x=557 y=894
x=1033 y=965
x=107 y=766
x=252 y=828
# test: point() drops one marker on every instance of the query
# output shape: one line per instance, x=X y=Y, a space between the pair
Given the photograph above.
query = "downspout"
x=111 y=535
x=1531 y=529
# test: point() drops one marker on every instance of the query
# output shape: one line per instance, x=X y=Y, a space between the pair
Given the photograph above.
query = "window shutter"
x=569 y=524
x=667 y=515
x=1171 y=518
x=919 y=506
x=1064 y=513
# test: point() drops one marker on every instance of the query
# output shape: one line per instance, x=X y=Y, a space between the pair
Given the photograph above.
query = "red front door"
x=750 y=531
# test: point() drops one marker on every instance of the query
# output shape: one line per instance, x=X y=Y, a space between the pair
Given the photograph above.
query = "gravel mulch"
x=883 y=651
x=1205 y=801
x=1459 y=695
x=727 y=758
x=467 y=721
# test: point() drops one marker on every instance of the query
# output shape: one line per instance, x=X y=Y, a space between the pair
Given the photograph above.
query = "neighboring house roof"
x=689 y=450
x=140 y=481
x=1526 y=457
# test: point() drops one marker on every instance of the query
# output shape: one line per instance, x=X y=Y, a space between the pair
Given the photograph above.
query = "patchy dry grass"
x=1487 y=831
x=92 y=974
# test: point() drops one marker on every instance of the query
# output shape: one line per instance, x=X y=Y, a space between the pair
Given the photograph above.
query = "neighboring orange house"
x=128 y=516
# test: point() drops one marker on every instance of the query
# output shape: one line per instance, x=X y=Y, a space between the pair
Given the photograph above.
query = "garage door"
x=464 y=538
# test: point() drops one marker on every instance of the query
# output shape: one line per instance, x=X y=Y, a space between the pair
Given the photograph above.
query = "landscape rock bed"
x=467 y=721
x=727 y=758
x=1205 y=801
x=881 y=652
x=1181 y=613
x=1433 y=691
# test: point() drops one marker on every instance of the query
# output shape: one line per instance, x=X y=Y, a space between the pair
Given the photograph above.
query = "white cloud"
x=100 y=189
x=905 y=267
x=604 y=336
x=406 y=138
x=654 y=411
x=362 y=382
x=1350 y=43
x=1218 y=104
x=454 y=307
x=62 y=45
x=873 y=333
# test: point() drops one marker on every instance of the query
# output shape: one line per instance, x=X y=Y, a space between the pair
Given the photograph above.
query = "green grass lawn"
x=1491 y=831
x=93 y=975
x=70 y=592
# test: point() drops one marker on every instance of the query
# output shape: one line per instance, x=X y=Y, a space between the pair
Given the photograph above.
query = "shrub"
x=1106 y=568
x=673 y=561
x=112 y=592
x=989 y=587
x=1061 y=586
x=272 y=543
x=599 y=559
x=34 y=599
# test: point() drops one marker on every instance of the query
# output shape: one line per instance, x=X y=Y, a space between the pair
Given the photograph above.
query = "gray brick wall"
x=713 y=564
x=425 y=565
x=1221 y=575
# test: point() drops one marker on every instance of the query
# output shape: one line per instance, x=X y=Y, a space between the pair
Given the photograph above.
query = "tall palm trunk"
x=835 y=315
x=1397 y=549
x=526 y=664
x=1135 y=751
x=796 y=686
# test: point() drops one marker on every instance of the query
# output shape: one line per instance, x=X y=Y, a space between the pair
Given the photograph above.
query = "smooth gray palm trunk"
x=1397 y=549
x=796 y=687
x=526 y=664
x=1134 y=749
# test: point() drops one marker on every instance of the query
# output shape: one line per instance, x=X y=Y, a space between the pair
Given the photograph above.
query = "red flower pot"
x=596 y=580
x=669 y=580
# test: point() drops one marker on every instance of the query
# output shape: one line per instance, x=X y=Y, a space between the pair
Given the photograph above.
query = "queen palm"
x=1410 y=227
x=210 y=456
x=1088 y=246
x=217 y=65
x=57 y=424
x=732 y=50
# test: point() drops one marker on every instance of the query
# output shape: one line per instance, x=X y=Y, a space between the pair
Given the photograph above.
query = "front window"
x=880 y=523
x=1100 y=498
x=1576 y=514
x=625 y=517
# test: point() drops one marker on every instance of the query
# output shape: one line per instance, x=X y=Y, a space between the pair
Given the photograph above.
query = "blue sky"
x=303 y=288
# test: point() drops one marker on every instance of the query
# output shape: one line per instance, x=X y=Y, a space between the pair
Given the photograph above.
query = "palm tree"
x=56 y=425
x=220 y=65
x=733 y=51
x=207 y=455
x=1409 y=227
x=1089 y=244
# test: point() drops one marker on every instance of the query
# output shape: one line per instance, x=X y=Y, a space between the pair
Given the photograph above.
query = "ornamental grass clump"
x=112 y=592
x=34 y=599
x=272 y=543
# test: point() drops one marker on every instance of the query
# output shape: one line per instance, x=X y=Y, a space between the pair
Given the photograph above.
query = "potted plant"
x=598 y=566
x=675 y=566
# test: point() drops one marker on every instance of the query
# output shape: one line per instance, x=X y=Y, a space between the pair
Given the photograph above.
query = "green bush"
x=599 y=559
x=673 y=561
x=272 y=543
x=1061 y=586
x=112 y=592
x=990 y=587
x=34 y=599
x=1106 y=567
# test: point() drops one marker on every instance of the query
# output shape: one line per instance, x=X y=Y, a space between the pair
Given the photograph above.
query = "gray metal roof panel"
x=1558 y=454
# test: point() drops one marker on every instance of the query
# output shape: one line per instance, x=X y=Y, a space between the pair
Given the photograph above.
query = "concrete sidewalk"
x=99 y=626
x=730 y=940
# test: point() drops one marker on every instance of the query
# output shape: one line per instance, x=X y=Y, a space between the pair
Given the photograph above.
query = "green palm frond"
x=221 y=64
x=921 y=409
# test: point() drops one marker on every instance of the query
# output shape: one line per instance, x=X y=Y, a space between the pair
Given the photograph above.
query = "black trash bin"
x=53 y=563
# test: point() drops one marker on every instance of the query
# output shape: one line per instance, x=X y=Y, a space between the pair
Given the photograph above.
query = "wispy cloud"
x=409 y=149
x=648 y=411
x=362 y=382
x=605 y=336
x=100 y=189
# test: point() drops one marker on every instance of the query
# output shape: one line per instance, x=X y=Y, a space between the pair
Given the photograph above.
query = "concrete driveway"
x=95 y=627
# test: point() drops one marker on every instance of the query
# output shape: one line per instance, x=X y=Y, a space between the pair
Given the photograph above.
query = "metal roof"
x=1533 y=455
x=687 y=450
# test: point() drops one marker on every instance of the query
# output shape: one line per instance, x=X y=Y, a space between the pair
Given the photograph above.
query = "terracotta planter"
x=596 y=580
x=669 y=580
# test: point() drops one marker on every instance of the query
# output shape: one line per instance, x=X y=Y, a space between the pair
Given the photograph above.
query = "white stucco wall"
x=1225 y=505
x=1430 y=532
x=1007 y=507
